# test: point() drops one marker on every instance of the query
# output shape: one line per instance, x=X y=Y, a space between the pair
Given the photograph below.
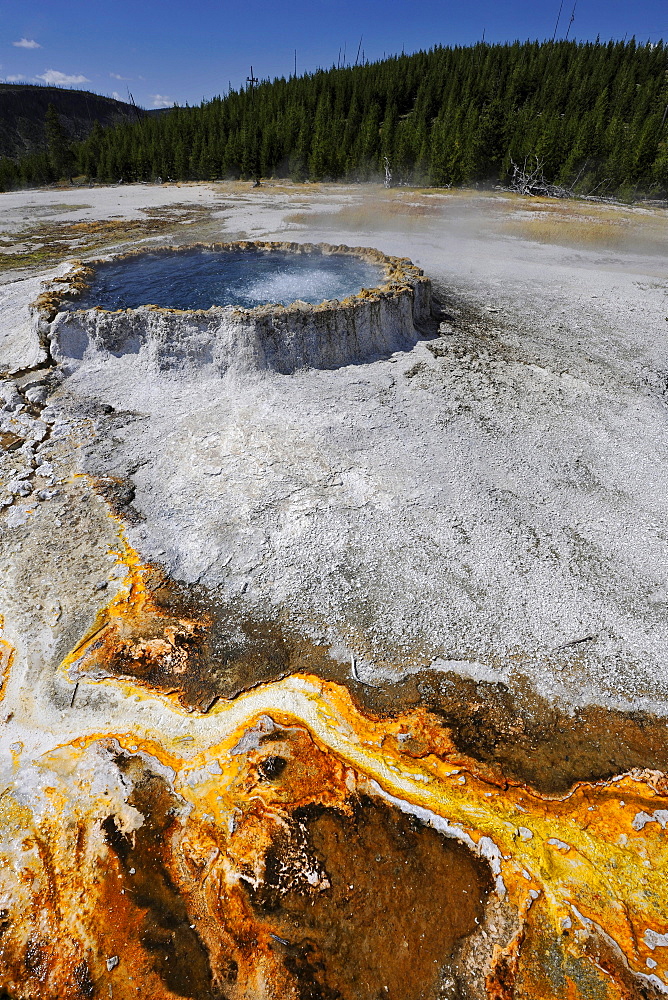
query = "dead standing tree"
x=252 y=80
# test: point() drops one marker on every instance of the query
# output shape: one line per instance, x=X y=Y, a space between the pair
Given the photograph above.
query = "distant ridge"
x=23 y=108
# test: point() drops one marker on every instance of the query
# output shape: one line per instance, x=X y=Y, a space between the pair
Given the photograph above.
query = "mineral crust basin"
x=230 y=767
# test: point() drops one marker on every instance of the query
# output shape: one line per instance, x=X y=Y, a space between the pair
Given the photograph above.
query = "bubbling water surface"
x=200 y=278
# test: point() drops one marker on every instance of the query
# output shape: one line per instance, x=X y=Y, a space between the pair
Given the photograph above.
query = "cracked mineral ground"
x=349 y=682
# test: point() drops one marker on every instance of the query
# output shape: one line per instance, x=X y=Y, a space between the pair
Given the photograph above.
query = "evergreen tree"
x=60 y=155
x=448 y=116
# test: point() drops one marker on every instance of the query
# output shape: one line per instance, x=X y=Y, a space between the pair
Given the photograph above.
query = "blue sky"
x=184 y=52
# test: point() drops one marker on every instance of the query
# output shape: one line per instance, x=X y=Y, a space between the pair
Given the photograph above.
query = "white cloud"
x=160 y=101
x=117 y=76
x=15 y=79
x=116 y=96
x=27 y=43
x=54 y=76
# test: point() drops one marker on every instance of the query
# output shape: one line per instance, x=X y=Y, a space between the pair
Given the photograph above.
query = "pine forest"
x=594 y=116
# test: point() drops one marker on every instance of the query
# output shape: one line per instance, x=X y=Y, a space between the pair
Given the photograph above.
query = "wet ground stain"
x=273 y=869
x=315 y=891
x=175 y=950
x=551 y=967
x=177 y=640
x=400 y=899
x=262 y=862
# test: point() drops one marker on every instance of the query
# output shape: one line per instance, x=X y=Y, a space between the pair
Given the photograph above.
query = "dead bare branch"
x=529 y=179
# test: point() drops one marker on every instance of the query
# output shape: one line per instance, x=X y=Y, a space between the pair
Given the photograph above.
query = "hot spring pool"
x=199 y=278
x=235 y=307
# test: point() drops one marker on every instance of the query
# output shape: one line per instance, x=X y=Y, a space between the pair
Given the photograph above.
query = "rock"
x=10 y=397
x=19 y=514
x=38 y=430
x=37 y=395
x=19 y=487
x=55 y=613
x=48 y=414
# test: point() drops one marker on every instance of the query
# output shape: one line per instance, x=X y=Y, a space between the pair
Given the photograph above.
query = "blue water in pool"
x=200 y=278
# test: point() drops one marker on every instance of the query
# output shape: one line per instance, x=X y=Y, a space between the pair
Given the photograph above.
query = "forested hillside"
x=594 y=114
x=23 y=109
